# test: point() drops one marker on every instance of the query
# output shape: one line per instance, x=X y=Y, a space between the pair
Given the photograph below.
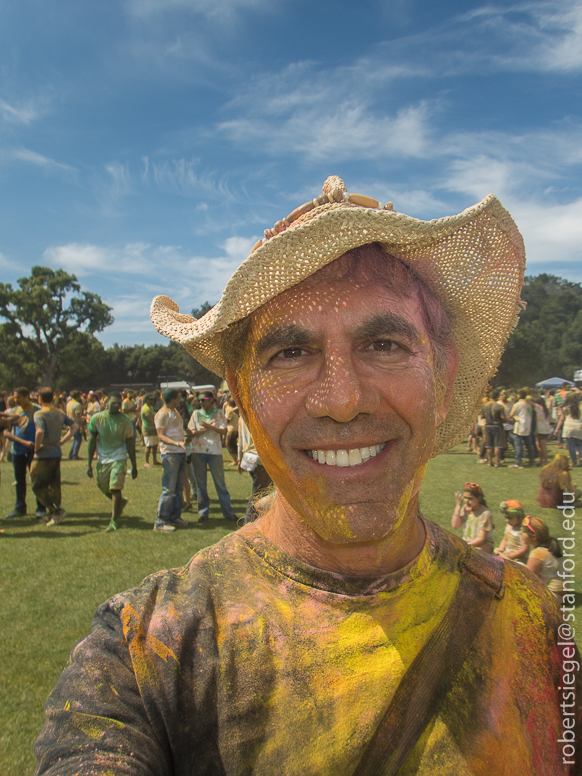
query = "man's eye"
x=383 y=345
x=291 y=353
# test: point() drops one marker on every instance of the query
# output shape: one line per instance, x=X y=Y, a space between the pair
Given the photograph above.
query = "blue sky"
x=146 y=144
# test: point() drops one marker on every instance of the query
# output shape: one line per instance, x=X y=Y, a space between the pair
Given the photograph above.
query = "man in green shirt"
x=111 y=432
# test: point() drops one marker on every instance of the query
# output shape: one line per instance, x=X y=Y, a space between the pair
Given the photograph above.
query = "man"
x=45 y=471
x=521 y=414
x=342 y=632
x=75 y=412
x=112 y=433
x=494 y=436
x=170 y=431
x=22 y=436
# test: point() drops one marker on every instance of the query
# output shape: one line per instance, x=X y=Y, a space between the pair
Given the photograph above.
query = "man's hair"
x=169 y=394
x=46 y=395
x=369 y=263
x=114 y=395
x=24 y=392
x=495 y=394
x=522 y=393
x=148 y=398
x=76 y=395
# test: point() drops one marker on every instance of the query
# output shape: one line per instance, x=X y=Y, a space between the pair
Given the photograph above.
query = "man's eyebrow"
x=283 y=337
x=386 y=324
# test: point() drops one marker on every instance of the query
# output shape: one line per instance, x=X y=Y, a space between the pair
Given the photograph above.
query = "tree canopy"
x=45 y=315
x=548 y=339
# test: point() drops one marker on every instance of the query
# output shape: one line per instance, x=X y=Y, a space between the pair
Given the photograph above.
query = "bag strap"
x=432 y=672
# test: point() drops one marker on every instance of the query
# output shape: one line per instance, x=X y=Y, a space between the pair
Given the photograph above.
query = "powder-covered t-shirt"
x=473 y=525
x=112 y=430
x=51 y=421
x=211 y=441
x=169 y=422
x=247 y=662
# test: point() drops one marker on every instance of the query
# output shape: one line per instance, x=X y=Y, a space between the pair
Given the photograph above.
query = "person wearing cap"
x=342 y=632
x=170 y=431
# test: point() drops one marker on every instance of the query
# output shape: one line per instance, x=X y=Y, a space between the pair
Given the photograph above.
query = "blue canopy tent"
x=553 y=382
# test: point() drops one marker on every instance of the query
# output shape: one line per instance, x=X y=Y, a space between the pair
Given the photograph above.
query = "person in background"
x=554 y=482
x=542 y=428
x=150 y=435
x=75 y=412
x=232 y=429
x=512 y=546
x=129 y=409
x=249 y=461
x=521 y=414
x=571 y=426
x=45 y=471
x=206 y=428
x=170 y=431
x=22 y=435
x=545 y=559
x=112 y=433
x=474 y=517
x=494 y=436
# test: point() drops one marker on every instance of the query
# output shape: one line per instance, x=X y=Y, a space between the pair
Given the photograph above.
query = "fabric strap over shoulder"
x=430 y=676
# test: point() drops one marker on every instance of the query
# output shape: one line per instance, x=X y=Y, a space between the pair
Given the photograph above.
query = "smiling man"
x=342 y=632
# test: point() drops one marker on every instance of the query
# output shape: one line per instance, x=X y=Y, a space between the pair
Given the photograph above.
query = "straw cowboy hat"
x=474 y=263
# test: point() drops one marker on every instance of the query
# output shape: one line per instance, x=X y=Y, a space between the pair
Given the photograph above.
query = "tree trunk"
x=49 y=369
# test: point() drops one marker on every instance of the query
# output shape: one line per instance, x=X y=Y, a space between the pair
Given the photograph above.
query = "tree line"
x=49 y=327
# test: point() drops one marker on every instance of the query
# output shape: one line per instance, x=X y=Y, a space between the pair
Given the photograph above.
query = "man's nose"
x=341 y=392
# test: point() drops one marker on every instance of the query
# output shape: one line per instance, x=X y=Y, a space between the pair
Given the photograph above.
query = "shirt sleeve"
x=486 y=521
x=221 y=420
x=161 y=421
x=96 y=721
x=39 y=422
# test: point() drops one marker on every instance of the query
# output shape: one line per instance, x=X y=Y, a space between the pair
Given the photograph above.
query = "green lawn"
x=52 y=579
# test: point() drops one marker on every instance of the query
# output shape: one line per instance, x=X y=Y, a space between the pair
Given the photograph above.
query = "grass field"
x=52 y=579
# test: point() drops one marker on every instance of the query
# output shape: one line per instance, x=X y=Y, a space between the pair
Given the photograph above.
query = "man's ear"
x=234 y=387
x=445 y=383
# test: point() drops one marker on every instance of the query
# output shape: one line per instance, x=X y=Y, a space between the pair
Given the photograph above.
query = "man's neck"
x=284 y=528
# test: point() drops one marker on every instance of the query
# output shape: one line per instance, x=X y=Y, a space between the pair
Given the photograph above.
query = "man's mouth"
x=344 y=458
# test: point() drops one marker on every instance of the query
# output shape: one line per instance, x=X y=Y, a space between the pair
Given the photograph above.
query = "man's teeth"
x=353 y=457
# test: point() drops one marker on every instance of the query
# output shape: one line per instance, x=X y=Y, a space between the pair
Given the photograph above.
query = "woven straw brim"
x=474 y=263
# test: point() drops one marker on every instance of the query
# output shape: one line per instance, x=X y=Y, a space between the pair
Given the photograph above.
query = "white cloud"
x=121 y=177
x=22 y=114
x=32 y=157
x=9 y=266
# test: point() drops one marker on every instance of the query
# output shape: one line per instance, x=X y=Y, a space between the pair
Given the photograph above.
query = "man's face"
x=342 y=372
x=114 y=405
x=20 y=400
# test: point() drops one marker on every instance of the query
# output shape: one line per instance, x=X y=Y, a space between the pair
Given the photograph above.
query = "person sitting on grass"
x=474 y=518
x=111 y=432
x=545 y=560
x=512 y=546
x=554 y=482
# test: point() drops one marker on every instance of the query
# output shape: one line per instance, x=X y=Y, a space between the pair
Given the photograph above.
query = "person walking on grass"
x=45 y=470
x=170 y=430
x=112 y=433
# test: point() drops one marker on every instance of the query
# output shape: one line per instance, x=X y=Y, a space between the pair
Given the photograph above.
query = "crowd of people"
x=188 y=430
x=524 y=421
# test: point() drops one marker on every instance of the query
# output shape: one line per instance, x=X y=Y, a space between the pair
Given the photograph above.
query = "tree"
x=548 y=339
x=45 y=314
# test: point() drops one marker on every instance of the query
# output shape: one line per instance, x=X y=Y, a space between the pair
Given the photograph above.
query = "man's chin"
x=359 y=522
